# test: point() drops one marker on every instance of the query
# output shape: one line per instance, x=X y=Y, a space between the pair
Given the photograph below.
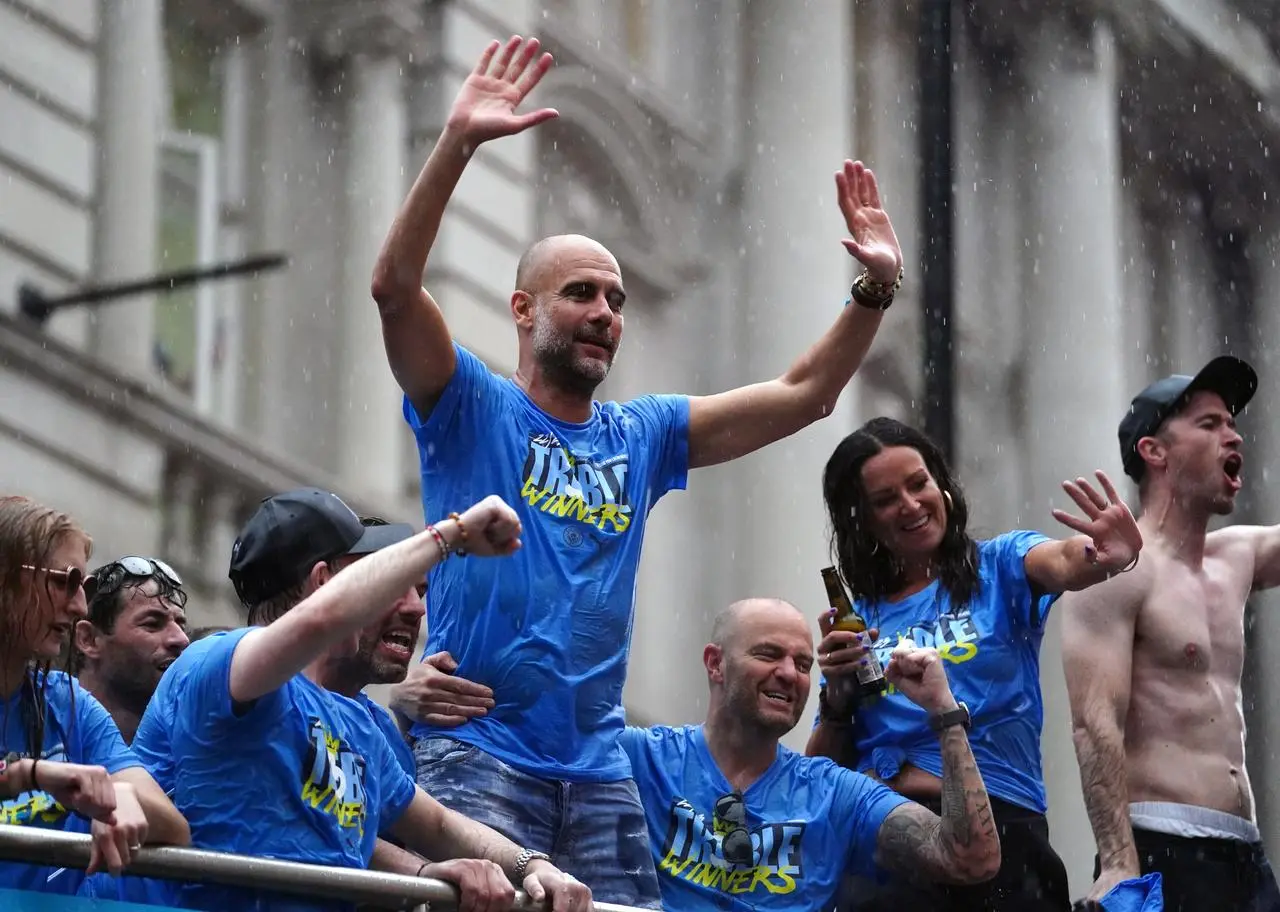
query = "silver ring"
x=134 y=848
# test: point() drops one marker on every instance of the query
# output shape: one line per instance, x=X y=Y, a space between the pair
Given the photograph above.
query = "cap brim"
x=1231 y=378
x=376 y=538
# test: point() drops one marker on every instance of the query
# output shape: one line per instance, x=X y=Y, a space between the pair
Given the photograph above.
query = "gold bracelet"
x=869 y=292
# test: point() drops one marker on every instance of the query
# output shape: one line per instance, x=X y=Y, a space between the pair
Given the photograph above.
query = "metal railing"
x=393 y=891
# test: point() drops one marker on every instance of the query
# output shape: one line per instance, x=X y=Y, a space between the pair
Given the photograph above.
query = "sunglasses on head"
x=731 y=821
x=69 y=580
x=113 y=575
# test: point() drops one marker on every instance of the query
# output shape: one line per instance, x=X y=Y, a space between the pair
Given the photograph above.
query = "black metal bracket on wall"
x=37 y=307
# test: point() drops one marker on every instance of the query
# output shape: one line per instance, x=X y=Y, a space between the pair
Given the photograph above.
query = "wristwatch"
x=959 y=716
x=523 y=859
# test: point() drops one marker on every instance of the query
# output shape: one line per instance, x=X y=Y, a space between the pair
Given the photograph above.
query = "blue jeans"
x=592 y=830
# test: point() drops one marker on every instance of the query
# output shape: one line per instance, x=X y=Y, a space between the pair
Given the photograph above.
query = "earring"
x=875 y=546
x=946 y=495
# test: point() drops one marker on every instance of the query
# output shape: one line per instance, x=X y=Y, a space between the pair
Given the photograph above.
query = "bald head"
x=752 y=613
x=758 y=664
x=546 y=258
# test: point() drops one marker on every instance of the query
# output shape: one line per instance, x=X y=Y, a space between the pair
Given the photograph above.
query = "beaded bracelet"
x=443 y=545
x=462 y=531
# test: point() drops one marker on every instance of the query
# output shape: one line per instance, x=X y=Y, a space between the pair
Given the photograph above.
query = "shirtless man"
x=1153 y=658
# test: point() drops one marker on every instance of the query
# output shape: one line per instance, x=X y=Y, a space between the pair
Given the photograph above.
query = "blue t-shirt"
x=391 y=731
x=547 y=628
x=143 y=891
x=992 y=651
x=77 y=729
x=300 y=774
x=810 y=823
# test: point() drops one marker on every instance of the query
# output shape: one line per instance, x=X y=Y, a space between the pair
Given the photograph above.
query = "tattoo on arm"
x=1106 y=797
x=961 y=846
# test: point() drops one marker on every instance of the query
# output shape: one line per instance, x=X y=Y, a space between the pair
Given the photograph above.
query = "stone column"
x=372 y=429
x=887 y=111
x=799 y=125
x=274 y=377
x=132 y=111
x=990 y=333
x=235 y=164
x=1075 y=347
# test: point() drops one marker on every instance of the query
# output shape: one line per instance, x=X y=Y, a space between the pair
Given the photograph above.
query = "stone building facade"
x=1114 y=220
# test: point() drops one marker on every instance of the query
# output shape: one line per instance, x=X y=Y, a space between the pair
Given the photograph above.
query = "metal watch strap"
x=959 y=716
x=523 y=859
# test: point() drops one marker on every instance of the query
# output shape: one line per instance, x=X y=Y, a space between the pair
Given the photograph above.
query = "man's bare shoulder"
x=1229 y=539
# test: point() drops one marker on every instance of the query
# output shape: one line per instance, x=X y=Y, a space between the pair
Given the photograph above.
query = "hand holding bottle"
x=842 y=658
x=852 y=671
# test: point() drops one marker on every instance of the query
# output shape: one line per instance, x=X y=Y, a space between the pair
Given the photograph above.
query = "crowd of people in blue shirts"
x=505 y=760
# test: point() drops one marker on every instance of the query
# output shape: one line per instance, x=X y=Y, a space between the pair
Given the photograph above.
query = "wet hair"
x=112 y=587
x=113 y=591
x=200 y=633
x=29 y=534
x=868 y=568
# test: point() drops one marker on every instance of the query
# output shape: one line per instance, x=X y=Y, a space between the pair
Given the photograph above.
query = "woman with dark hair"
x=65 y=765
x=899 y=535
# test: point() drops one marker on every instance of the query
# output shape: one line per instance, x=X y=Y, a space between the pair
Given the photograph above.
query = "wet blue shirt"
x=809 y=820
x=77 y=729
x=300 y=774
x=391 y=731
x=549 y=627
x=991 y=647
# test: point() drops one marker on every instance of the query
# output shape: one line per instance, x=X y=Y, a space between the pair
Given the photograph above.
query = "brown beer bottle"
x=870 y=682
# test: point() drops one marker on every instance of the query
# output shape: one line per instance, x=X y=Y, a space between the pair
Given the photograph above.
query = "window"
x=195 y=326
x=186 y=321
x=636 y=15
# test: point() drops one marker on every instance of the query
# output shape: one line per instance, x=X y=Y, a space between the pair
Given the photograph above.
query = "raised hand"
x=493 y=528
x=486 y=104
x=873 y=240
x=919 y=674
x=1116 y=539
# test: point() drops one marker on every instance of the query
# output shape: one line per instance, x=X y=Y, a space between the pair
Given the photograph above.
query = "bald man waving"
x=548 y=631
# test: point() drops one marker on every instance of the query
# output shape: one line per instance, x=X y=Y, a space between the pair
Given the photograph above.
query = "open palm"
x=873 y=241
x=1108 y=521
x=485 y=107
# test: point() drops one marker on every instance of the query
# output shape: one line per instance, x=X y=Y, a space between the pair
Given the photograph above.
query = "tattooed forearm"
x=961 y=846
x=1100 y=754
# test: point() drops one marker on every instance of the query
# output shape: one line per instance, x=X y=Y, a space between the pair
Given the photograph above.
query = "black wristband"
x=827 y=715
x=35 y=786
x=940 y=722
x=869 y=293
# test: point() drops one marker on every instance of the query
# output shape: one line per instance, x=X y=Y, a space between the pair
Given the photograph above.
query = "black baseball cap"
x=291 y=532
x=1232 y=379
